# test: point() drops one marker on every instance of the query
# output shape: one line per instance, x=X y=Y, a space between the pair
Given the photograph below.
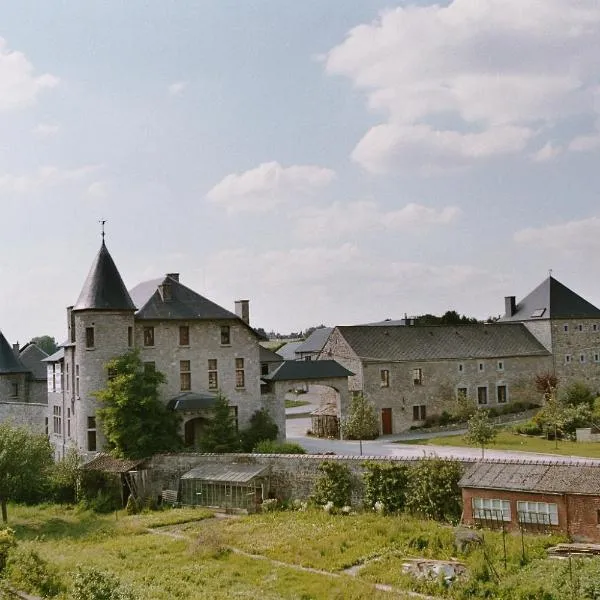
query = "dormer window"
x=537 y=313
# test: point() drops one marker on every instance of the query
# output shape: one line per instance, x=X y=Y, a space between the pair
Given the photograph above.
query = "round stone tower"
x=101 y=328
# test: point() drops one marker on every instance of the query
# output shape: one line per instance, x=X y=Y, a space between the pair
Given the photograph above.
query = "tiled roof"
x=109 y=464
x=291 y=370
x=552 y=300
x=32 y=357
x=315 y=341
x=104 y=289
x=534 y=477
x=416 y=343
x=9 y=363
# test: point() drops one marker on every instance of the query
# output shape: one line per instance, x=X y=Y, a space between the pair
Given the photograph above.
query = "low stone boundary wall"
x=292 y=476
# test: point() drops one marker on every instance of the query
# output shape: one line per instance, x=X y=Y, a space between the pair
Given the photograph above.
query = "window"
x=538 y=512
x=149 y=336
x=68 y=422
x=482 y=394
x=461 y=368
x=89 y=337
x=417 y=376
x=596 y=356
x=537 y=313
x=46 y=425
x=419 y=412
x=14 y=389
x=149 y=367
x=184 y=335
x=567 y=359
x=91 y=434
x=77 y=380
x=213 y=375
x=595 y=327
x=185 y=375
x=481 y=367
x=580 y=327
x=461 y=393
x=239 y=373
x=501 y=396
x=57 y=421
x=53 y=387
x=225 y=335
x=491 y=509
x=264 y=369
x=500 y=365
x=598 y=516
x=130 y=336
x=582 y=358
x=67 y=375
x=565 y=327
x=385 y=378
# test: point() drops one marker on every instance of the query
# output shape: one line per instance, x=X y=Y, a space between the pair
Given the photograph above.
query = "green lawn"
x=507 y=440
x=295 y=403
x=188 y=554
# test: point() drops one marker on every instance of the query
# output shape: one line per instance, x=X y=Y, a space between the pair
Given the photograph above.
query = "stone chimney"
x=242 y=310
x=174 y=276
x=166 y=291
x=510 y=306
x=16 y=348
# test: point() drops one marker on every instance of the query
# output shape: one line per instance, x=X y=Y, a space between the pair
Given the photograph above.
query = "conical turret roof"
x=104 y=289
x=9 y=363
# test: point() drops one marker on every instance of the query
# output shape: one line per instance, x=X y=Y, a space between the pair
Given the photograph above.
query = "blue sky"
x=334 y=162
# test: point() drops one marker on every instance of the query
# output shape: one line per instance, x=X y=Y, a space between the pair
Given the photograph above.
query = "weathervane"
x=549 y=272
x=102 y=225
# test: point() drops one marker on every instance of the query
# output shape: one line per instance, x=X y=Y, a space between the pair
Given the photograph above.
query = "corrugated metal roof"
x=231 y=473
x=532 y=477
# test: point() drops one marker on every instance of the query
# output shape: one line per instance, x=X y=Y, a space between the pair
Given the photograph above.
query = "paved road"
x=391 y=445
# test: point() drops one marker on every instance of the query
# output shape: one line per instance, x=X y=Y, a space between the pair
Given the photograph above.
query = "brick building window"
x=184 y=335
x=482 y=394
x=239 y=373
x=538 y=512
x=501 y=395
x=149 y=336
x=225 y=335
x=385 y=378
x=419 y=412
x=185 y=375
x=130 y=337
x=57 y=419
x=491 y=509
x=417 y=376
x=213 y=374
x=91 y=434
x=89 y=337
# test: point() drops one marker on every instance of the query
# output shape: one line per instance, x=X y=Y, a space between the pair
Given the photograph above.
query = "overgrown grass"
x=508 y=440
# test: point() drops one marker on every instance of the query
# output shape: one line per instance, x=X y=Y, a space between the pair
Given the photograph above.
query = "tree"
x=361 y=422
x=25 y=459
x=220 y=433
x=546 y=384
x=133 y=419
x=261 y=428
x=46 y=343
x=481 y=430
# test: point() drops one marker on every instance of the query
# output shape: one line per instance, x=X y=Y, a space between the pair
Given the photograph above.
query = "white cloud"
x=19 y=86
x=471 y=80
x=98 y=189
x=46 y=129
x=546 y=153
x=268 y=185
x=43 y=178
x=572 y=236
x=177 y=88
x=345 y=219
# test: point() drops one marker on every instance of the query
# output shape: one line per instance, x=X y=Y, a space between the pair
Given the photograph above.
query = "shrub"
x=93 y=584
x=334 y=484
x=272 y=447
x=385 y=484
x=261 y=428
x=529 y=428
x=63 y=478
x=7 y=542
x=577 y=394
x=29 y=572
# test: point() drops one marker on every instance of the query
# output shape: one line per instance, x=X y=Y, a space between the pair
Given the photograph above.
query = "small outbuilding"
x=534 y=496
x=228 y=486
x=325 y=422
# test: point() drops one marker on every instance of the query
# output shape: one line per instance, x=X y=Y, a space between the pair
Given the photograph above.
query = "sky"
x=334 y=162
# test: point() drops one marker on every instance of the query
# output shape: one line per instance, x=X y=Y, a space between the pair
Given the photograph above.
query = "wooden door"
x=386 y=421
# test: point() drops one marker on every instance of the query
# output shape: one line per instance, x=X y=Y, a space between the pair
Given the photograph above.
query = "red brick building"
x=534 y=496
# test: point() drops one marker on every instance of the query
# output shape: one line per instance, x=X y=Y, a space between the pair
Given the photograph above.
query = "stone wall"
x=337 y=348
x=24 y=414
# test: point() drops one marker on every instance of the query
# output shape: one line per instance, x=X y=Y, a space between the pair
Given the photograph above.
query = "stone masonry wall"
x=336 y=348
x=24 y=414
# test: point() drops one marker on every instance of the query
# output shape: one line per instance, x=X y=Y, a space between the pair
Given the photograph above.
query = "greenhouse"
x=229 y=486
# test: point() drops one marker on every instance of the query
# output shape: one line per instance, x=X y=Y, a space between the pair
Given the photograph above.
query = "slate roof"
x=192 y=401
x=288 y=351
x=315 y=341
x=420 y=343
x=307 y=369
x=104 y=289
x=108 y=464
x=552 y=300
x=268 y=356
x=534 y=477
x=232 y=473
x=184 y=303
x=58 y=355
x=9 y=362
x=32 y=357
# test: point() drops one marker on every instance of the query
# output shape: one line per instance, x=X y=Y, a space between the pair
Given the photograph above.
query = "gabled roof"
x=104 y=289
x=58 y=355
x=268 y=356
x=418 y=343
x=534 y=477
x=32 y=357
x=182 y=304
x=9 y=363
x=315 y=341
x=291 y=370
x=552 y=300
x=288 y=350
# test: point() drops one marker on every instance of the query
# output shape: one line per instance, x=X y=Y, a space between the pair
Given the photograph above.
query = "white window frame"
x=490 y=509
x=596 y=356
x=548 y=510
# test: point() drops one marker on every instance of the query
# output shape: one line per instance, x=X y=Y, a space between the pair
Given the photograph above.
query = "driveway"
x=391 y=445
